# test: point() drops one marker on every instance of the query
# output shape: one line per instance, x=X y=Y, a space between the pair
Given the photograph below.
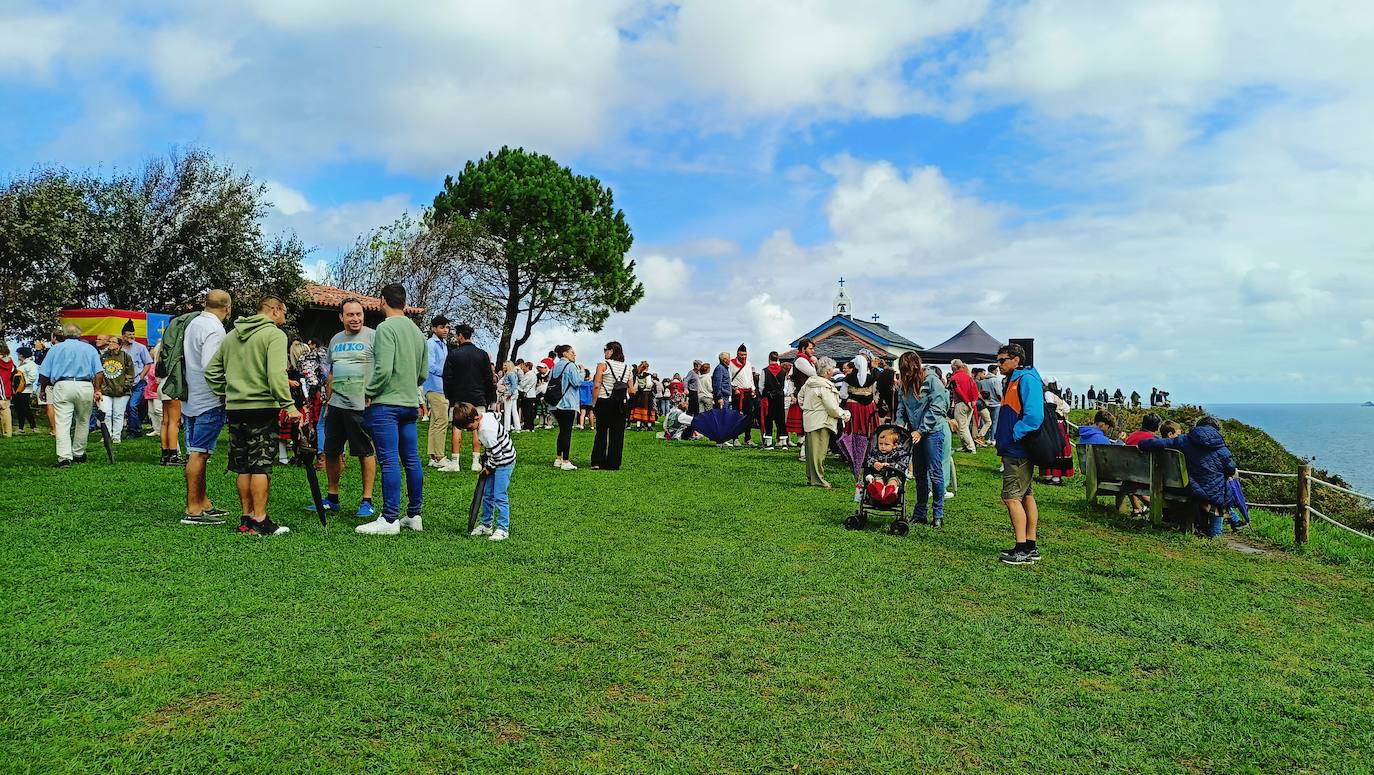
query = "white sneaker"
x=728 y=444
x=558 y=464
x=480 y=530
x=415 y=523
x=380 y=527
x=476 y=465
x=568 y=466
x=438 y=462
x=949 y=495
x=499 y=535
x=451 y=465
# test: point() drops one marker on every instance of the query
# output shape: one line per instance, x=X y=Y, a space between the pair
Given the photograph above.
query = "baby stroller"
x=862 y=453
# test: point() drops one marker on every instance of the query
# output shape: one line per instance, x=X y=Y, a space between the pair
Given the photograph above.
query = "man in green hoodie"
x=400 y=364
x=249 y=372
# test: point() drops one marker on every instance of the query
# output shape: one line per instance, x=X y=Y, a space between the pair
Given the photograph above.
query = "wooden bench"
x=1117 y=470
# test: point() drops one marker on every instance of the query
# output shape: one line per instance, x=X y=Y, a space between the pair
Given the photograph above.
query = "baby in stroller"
x=885 y=466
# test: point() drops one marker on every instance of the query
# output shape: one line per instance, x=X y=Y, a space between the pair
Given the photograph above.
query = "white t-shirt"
x=203 y=338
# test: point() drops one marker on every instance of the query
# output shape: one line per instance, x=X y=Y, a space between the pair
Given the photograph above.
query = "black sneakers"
x=1019 y=555
x=204 y=518
x=266 y=527
x=78 y=458
x=64 y=463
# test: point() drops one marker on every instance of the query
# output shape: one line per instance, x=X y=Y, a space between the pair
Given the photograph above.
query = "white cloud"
x=286 y=199
x=773 y=326
x=664 y=277
x=29 y=43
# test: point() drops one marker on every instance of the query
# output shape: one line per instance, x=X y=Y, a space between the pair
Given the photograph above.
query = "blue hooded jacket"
x=1013 y=425
x=1091 y=434
x=1209 y=462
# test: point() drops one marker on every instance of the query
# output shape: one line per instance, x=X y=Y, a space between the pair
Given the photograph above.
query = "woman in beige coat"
x=820 y=403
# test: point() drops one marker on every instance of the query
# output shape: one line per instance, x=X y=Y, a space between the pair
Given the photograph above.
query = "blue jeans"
x=393 y=431
x=319 y=429
x=497 y=498
x=135 y=410
x=928 y=464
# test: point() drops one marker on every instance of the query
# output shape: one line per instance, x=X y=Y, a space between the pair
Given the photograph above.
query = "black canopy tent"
x=972 y=345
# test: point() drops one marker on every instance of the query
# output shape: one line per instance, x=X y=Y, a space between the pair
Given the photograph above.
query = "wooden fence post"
x=1301 y=514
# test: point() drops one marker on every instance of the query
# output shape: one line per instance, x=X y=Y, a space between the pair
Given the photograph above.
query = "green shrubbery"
x=1255 y=450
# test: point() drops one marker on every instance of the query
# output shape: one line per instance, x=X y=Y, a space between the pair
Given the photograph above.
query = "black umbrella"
x=475 y=510
x=105 y=434
x=305 y=451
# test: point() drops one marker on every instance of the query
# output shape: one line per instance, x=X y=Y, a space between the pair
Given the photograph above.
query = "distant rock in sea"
x=1368 y=403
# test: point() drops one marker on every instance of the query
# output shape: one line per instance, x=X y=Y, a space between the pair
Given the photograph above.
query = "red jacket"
x=965 y=389
x=6 y=379
x=1134 y=439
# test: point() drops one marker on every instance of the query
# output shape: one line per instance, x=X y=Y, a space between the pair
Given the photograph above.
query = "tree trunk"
x=512 y=312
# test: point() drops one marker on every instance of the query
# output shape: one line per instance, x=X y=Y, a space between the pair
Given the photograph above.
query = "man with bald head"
x=74 y=371
x=203 y=411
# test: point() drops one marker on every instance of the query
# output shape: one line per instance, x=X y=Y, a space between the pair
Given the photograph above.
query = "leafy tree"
x=40 y=221
x=431 y=260
x=181 y=225
x=553 y=247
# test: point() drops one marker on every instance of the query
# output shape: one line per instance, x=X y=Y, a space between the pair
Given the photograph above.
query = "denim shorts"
x=202 y=431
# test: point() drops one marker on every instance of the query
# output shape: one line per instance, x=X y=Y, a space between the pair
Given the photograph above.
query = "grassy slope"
x=696 y=612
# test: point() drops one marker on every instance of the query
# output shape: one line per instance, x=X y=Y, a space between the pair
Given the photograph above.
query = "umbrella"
x=1239 y=496
x=854 y=446
x=105 y=434
x=305 y=450
x=720 y=425
x=475 y=510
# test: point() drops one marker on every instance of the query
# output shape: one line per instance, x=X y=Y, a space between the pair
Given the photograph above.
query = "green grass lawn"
x=697 y=611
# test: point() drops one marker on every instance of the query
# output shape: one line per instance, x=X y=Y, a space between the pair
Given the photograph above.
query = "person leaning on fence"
x=1210 y=466
x=1023 y=411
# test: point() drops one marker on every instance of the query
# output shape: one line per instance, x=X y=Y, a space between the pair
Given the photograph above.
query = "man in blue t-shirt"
x=74 y=371
x=143 y=363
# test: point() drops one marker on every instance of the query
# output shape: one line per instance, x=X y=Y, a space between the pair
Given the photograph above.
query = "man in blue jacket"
x=1210 y=467
x=1022 y=411
x=720 y=382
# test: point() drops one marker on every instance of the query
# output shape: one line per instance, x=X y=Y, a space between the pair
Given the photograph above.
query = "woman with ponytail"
x=922 y=404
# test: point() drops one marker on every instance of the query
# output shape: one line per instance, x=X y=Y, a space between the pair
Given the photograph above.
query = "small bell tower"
x=843 y=304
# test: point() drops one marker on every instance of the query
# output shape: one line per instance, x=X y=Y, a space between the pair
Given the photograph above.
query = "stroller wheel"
x=900 y=527
x=852 y=522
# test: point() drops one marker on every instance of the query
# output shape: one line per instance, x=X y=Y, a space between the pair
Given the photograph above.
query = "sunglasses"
x=1003 y=360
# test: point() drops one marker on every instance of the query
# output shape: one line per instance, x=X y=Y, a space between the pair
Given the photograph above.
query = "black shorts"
x=342 y=425
x=253 y=435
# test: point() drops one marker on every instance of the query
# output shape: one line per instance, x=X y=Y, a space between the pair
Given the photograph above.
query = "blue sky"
x=1160 y=193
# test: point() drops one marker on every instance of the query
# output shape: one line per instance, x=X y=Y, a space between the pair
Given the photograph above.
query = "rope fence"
x=1266 y=473
x=1346 y=528
x=1344 y=490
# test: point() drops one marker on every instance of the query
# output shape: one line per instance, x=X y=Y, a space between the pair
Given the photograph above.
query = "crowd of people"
x=366 y=391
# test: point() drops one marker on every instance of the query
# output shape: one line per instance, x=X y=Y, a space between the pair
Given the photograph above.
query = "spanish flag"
x=147 y=326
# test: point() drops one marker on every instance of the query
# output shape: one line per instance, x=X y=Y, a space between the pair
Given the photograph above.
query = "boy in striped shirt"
x=498 y=461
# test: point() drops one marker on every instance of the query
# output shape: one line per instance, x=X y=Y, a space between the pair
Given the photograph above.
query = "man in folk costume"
x=803 y=368
x=772 y=404
x=743 y=385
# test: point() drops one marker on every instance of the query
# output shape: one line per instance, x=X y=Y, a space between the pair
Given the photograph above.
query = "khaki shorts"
x=1016 y=478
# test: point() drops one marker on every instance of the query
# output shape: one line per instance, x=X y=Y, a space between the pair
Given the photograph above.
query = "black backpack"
x=553 y=394
x=620 y=389
x=1045 y=445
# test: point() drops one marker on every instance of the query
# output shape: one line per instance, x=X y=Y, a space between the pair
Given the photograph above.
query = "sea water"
x=1338 y=437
